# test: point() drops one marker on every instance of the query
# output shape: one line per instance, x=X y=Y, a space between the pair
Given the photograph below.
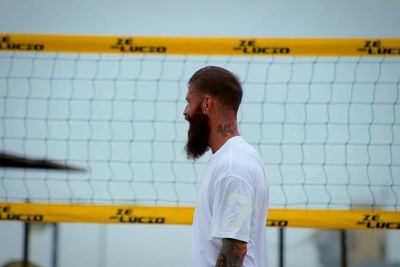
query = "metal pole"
x=281 y=247
x=54 y=259
x=343 y=248
x=26 y=244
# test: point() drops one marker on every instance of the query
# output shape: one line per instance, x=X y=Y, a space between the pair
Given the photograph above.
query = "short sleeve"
x=232 y=208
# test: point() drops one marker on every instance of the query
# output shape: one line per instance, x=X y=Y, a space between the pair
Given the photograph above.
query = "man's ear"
x=206 y=104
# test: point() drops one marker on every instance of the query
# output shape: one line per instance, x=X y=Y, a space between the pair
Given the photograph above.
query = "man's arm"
x=232 y=253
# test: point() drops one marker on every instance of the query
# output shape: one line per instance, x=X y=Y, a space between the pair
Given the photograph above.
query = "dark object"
x=12 y=161
x=27 y=228
x=343 y=241
x=281 y=248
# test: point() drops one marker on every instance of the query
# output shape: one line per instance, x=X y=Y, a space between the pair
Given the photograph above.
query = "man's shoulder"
x=244 y=153
x=242 y=162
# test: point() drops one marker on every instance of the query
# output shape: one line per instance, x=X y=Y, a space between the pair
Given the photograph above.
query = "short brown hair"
x=219 y=83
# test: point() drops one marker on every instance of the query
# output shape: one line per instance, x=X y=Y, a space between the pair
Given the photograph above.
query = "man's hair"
x=219 y=83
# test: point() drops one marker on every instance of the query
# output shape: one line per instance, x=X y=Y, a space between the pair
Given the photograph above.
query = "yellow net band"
x=57 y=213
x=201 y=45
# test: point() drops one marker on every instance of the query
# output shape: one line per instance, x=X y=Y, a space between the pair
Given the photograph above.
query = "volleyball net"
x=323 y=113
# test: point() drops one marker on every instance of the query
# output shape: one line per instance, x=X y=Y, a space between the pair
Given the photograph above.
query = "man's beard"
x=198 y=134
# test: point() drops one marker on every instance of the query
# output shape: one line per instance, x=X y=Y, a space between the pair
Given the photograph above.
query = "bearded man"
x=230 y=214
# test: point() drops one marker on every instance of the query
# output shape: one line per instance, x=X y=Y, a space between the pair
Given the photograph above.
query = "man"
x=230 y=214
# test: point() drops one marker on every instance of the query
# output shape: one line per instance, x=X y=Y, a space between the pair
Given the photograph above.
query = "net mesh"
x=327 y=128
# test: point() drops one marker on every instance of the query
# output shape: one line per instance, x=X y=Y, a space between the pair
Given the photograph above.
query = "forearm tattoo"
x=224 y=129
x=232 y=253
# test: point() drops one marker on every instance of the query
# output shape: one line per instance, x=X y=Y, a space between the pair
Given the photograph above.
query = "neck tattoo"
x=224 y=129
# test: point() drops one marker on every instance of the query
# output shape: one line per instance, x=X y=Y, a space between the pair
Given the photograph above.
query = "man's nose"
x=185 y=112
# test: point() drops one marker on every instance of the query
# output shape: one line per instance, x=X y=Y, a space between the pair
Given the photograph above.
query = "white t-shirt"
x=232 y=203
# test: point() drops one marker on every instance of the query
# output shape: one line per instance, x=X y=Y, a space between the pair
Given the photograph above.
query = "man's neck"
x=222 y=132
